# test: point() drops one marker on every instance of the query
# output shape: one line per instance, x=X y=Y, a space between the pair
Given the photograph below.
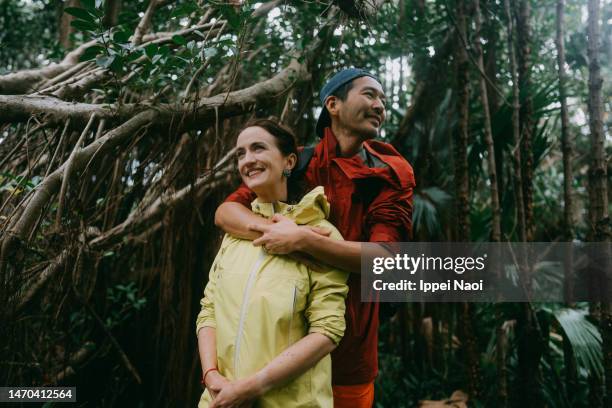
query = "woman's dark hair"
x=286 y=143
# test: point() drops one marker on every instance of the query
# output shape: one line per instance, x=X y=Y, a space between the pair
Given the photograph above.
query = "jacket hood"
x=312 y=207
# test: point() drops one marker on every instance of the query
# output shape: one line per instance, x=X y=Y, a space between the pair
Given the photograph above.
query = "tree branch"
x=50 y=270
x=23 y=82
x=67 y=172
x=75 y=359
x=20 y=108
x=224 y=105
x=144 y=23
x=139 y=220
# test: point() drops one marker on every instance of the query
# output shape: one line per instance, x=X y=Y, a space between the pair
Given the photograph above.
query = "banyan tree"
x=117 y=123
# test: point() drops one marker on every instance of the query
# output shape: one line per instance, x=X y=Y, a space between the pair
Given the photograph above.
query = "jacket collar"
x=357 y=166
x=312 y=207
x=331 y=149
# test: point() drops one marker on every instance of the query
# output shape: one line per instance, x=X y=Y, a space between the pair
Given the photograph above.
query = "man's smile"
x=375 y=119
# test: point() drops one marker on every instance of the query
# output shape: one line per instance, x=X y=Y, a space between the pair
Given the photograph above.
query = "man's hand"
x=215 y=383
x=235 y=394
x=284 y=235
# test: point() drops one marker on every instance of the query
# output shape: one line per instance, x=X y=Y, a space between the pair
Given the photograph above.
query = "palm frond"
x=584 y=337
x=427 y=203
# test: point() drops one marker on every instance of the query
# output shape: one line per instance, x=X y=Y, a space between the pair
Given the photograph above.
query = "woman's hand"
x=215 y=382
x=235 y=394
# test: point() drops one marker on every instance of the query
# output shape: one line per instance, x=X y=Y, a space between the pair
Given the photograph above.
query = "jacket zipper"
x=292 y=313
x=243 y=307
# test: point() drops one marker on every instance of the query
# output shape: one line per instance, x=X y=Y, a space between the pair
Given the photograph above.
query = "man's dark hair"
x=343 y=90
x=287 y=144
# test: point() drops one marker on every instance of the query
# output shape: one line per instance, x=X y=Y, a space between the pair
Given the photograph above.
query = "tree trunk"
x=462 y=187
x=567 y=146
x=470 y=349
x=111 y=13
x=489 y=29
x=598 y=169
x=65 y=29
x=488 y=133
x=598 y=206
x=518 y=180
x=526 y=114
x=529 y=351
x=490 y=57
x=567 y=142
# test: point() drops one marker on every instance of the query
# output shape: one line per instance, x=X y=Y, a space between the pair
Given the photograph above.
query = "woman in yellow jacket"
x=268 y=323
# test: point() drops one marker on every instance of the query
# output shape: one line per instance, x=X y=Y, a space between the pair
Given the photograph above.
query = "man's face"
x=363 y=110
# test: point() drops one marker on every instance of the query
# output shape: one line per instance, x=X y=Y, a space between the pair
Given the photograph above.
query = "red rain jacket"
x=379 y=195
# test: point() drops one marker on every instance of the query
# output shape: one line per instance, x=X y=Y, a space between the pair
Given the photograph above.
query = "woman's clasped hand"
x=226 y=394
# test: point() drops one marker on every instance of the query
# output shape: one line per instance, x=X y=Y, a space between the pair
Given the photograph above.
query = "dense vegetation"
x=116 y=120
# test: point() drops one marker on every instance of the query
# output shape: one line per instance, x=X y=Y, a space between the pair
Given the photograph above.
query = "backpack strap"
x=304 y=157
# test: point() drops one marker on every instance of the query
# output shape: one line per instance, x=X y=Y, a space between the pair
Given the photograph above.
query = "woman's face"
x=261 y=164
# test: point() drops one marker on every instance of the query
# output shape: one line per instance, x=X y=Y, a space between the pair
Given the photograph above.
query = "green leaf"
x=84 y=25
x=121 y=36
x=231 y=16
x=132 y=56
x=179 y=39
x=425 y=215
x=210 y=52
x=151 y=50
x=91 y=53
x=164 y=50
x=117 y=64
x=80 y=13
x=105 y=61
x=584 y=338
x=437 y=196
x=184 y=9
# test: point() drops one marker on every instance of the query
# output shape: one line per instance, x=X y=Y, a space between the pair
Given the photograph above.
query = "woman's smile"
x=252 y=173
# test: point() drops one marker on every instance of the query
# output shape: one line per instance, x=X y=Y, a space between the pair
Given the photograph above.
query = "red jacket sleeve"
x=242 y=195
x=389 y=217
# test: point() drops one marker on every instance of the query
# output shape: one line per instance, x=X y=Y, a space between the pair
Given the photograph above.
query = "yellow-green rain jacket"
x=260 y=304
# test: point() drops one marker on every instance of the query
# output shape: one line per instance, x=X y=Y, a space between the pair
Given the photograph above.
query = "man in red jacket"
x=369 y=186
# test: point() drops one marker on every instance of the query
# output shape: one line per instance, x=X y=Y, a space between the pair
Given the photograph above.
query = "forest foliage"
x=117 y=120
